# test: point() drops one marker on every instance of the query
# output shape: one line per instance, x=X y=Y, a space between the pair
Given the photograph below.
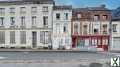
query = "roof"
x=116 y=19
x=27 y=2
x=98 y=9
x=80 y=9
x=64 y=7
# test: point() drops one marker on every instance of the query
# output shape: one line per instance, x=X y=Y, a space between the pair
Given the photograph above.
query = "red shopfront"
x=99 y=41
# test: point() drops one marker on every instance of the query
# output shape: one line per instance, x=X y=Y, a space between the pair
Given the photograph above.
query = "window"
x=79 y=15
x=34 y=10
x=22 y=37
x=66 y=41
x=96 y=31
x=2 y=37
x=45 y=9
x=45 y=37
x=105 y=29
x=114 y=27
x=12 y=20
x=75 y=28
x=12 y=37
x=85 y=29
x=57 y=28
x=66 y=16
x=65 y=28
x=105 y=17
x=58 y=16
x=45 y=21
x=34 y=21
x=94 y=42
x=12 y=10
x=82 y=42
x=22 y=10
x=22 y=21
x=42 y=37
x=96 y=17
x=105 y=41
x=2 y=10
x=1 y=21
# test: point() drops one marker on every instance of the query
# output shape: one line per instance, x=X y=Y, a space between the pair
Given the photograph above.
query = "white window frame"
x=12 y=37
x=2 y=37
x=12 y=10
x=34 y=18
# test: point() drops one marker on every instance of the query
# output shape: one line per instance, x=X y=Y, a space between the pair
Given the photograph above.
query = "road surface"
x=52 y=59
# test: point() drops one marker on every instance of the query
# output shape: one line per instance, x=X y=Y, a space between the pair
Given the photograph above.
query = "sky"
x=111 y=4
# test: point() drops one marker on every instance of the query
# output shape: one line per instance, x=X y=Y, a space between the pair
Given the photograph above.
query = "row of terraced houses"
x=43 y=24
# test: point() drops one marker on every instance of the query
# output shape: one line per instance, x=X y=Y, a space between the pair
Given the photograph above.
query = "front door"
x=34 y=39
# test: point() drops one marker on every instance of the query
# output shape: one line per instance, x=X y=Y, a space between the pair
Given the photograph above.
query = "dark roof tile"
x=64 y=7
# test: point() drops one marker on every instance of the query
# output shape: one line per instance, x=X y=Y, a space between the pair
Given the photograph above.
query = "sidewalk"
x=115 y=51
x=56 y=61
x=42 y=50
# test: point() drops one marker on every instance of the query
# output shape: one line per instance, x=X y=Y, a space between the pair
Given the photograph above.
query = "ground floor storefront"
x=91 y=41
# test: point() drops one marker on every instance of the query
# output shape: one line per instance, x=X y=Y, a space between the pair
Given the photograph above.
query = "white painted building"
x=62 y=27
x=115 y=34
x=26 y=23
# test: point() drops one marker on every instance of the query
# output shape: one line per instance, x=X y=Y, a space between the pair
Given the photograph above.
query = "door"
x=86 y=42
x=34 y=39
x=116 y=43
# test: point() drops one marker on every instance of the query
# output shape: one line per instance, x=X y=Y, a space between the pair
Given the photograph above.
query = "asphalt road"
x=50 y=56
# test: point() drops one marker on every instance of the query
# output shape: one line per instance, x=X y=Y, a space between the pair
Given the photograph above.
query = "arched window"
x=65 y=28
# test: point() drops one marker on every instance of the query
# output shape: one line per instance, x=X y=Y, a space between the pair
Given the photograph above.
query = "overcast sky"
x=111 y=4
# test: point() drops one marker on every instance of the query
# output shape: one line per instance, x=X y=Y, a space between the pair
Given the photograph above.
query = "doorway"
x=34 y=39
